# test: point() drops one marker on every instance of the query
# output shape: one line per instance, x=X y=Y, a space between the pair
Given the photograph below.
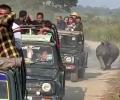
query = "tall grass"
x=107 y=29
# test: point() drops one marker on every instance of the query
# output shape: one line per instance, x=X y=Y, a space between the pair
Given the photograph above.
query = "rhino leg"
x=110 y=61
x=103 y=66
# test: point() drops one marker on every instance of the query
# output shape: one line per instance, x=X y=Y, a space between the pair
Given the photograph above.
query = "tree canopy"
x=68 y=3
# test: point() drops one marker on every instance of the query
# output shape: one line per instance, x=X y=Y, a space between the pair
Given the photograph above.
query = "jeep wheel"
x=74 y=76
x=81 y=73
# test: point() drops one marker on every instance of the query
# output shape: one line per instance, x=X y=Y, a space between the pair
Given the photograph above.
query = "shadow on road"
x=91 y=75
x=74 y=93
x=88 y=75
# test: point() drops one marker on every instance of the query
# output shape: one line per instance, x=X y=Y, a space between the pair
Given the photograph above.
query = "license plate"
x=70 y=67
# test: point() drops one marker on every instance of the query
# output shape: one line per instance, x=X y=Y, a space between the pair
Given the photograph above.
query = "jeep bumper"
x=43 y=97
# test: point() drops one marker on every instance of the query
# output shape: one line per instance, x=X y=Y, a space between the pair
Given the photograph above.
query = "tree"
x=64 y=3
x=70 y=3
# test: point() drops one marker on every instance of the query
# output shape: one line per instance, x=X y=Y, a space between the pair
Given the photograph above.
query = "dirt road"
x=94 y=85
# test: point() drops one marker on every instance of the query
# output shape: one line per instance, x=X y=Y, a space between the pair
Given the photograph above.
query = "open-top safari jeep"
x=45 y=72
x=73 y=54
x=33 y=29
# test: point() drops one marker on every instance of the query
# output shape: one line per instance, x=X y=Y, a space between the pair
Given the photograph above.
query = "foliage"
x=68 y=3
x=71 y=3
x=65 y=4
x=102 y=28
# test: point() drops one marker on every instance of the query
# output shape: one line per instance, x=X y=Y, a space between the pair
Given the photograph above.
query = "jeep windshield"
x=70 y=39
x=40 y=61
x=4 y=90
x=41 y=54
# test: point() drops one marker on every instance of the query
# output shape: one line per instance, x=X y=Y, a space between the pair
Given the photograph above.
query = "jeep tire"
x=74 y=76
x=81 y=73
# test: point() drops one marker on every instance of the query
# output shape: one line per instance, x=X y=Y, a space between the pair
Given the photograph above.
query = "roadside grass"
x=103 y=32
x=99 y=30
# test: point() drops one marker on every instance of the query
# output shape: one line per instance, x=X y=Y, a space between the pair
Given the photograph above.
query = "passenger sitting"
x=45 y=29
x=66 y=19
x=79 y=25
x=71 y=24
x=38 y=22
x=60 y=23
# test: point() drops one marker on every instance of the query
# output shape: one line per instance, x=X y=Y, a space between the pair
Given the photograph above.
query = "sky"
x=101 y=3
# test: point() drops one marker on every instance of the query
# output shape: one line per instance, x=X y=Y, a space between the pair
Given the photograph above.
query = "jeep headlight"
x=69 y=59
x=46 y=87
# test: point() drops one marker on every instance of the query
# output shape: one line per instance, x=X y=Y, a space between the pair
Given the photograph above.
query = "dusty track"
x=95 y=84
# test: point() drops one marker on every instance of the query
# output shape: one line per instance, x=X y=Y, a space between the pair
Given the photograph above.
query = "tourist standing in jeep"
x=7 y=44
x=73 y=22
x=74 y=15
x=7 y=41
x=38 y=22
x=79 y=25
x=23 y=21
x=60 y=23
x=39 y=18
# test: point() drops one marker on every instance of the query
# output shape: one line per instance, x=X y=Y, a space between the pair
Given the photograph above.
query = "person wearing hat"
x=77 y=18
x=74 y=15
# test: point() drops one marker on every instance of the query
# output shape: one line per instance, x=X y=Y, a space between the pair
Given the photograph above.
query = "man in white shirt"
x=18 y=43
x=17 y=35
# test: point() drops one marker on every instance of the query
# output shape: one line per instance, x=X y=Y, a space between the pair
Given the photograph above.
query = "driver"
x=43 y=56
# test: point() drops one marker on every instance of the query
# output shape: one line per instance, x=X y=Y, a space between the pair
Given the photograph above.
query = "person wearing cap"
x=78 y=22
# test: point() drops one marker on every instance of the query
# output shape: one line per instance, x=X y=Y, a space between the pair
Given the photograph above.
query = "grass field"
x=99 y=29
